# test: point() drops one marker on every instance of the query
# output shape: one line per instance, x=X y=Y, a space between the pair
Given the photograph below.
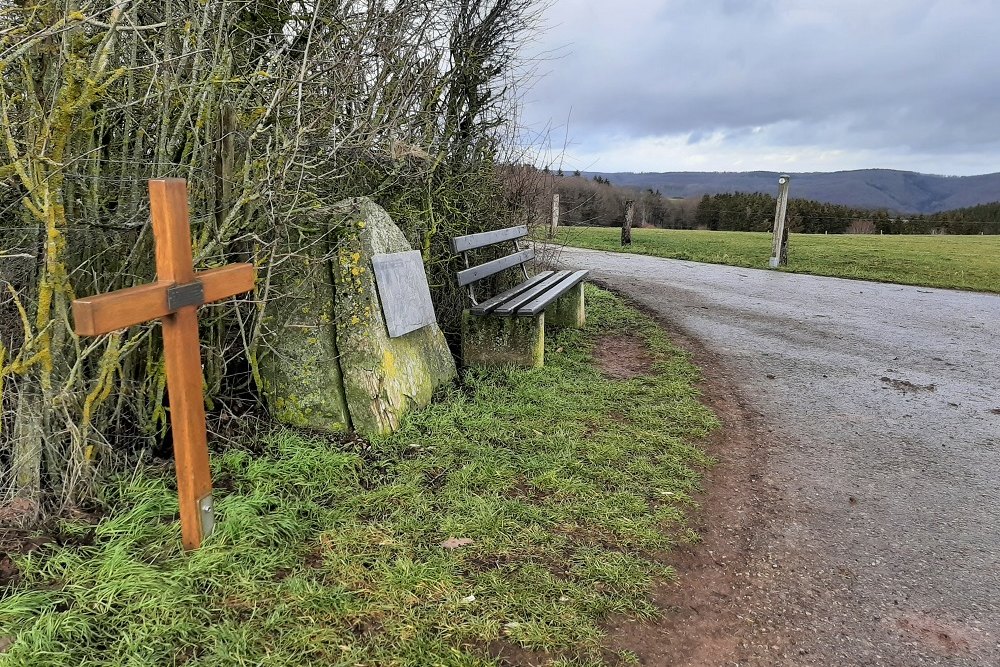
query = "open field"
x=509 y=518
x=958 y=262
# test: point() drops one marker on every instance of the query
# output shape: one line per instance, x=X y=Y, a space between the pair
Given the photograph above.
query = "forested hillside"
x=596 y=201
x=970 y=220
x=897 y=191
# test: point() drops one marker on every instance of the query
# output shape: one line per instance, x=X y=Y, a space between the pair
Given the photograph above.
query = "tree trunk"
x=28 y=442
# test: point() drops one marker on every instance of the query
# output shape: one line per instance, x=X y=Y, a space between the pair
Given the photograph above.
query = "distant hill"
x=899 y=191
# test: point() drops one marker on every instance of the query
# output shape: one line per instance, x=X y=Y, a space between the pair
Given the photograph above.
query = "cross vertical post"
x=174 y=298
x=182 y=353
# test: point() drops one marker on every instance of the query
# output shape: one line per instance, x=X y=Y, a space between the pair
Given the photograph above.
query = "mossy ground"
x=956 y=262
x=572 y=488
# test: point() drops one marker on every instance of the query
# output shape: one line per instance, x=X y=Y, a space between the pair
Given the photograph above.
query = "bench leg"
x=568 y=310
x=493 y=341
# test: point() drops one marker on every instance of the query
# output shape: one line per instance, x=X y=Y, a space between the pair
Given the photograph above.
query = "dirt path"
x=855 y=519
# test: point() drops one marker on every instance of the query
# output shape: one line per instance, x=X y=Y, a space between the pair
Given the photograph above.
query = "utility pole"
x=779 y=245
x=555 y=216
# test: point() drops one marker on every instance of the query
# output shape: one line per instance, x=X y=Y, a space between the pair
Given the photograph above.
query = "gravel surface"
x=881 y=407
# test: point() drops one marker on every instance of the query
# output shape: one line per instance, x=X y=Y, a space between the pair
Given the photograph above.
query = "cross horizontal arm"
x=104 y=313
x=226 y=281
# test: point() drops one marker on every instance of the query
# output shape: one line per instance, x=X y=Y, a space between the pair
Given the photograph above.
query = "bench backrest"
x=465 y=244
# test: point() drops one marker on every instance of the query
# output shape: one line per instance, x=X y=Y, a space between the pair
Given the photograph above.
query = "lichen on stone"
x=299 y=364
x=384 y=378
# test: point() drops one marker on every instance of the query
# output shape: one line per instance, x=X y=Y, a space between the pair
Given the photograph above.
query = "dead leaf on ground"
x=457 y=542
x=9 y=572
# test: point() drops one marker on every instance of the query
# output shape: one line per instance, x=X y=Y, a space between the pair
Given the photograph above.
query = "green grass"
x=957 y=262
x=571 y=486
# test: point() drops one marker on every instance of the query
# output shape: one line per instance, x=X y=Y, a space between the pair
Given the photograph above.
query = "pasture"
x=956 y=262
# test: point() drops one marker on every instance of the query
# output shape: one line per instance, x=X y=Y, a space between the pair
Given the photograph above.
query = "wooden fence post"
x=555 y=216
x=627 y=226
x=779 y=244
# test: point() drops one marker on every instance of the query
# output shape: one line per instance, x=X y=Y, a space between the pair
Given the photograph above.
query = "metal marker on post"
x=779 y=245
x=555 y=216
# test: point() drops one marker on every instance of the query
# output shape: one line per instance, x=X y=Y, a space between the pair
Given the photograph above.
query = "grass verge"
x=565 y=488
x=954 y=262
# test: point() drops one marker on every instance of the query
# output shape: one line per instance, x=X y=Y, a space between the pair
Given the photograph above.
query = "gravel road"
x=881 y=410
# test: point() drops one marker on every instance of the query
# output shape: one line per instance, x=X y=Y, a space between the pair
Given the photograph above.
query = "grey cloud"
x=916 y=75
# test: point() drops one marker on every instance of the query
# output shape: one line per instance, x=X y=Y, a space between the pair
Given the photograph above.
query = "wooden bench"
x=510 y=327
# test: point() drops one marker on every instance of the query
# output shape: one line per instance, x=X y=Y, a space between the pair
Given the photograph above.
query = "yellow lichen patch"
x=3 y=372
x=388 y=361
x=105 y=378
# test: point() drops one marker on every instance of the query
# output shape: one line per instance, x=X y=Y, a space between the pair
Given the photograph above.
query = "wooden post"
x=627 y=226
x=174 y=298
x=779 y=243
x=555 y=216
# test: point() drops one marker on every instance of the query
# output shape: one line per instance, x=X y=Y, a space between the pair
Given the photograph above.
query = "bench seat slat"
x=473 y=241
x=488 y=269
x=512 y=305
x=487 y=307
x=541 y=302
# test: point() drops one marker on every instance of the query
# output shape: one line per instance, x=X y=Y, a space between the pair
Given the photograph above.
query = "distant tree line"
x=597 y=202
x=981 y=219
x=754 y=212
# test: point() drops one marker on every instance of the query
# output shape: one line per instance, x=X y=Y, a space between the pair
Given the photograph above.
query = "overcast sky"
x=795 y=85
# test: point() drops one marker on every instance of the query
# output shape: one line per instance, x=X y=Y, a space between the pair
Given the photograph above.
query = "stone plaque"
x=403 y=291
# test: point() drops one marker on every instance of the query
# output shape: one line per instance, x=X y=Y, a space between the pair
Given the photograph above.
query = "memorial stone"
x=385 y=377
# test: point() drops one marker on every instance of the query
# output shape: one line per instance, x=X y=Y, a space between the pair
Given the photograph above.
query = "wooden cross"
x=174 y=298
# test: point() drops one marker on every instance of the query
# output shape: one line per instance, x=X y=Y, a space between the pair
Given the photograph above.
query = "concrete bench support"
x=569 y=309
x=494 y=341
